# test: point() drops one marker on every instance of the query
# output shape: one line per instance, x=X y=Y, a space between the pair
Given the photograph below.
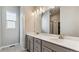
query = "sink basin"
x=55 y=38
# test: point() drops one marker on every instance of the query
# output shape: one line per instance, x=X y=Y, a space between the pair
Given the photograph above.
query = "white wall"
x=29 y=19
x=32 y=22
x=69 y=20
x=22 y=27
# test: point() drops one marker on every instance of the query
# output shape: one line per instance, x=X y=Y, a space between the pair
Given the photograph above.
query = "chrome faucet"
x=37 y=33
x=61 y=36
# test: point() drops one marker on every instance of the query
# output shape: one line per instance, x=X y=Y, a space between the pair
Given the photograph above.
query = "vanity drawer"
x=55 y=47
x=37 y=40
x=45 y=49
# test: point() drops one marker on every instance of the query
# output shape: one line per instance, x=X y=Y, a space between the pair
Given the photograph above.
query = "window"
x=10 y=20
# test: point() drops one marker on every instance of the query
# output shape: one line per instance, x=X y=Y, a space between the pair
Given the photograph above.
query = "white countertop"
x=68 y=42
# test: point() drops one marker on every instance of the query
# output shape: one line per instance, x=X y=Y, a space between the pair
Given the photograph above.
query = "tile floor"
x=16 y=48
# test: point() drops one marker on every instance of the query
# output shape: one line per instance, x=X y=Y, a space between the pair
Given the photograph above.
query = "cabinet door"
x=31 y=44
x=37 y=45
x=28 y=43
x=45 y=49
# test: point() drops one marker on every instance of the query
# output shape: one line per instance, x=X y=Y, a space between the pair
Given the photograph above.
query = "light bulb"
x=40 y=10
x=32 y=14
x=37 y=11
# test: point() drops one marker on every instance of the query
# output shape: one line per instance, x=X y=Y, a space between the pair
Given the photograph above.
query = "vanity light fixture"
x=32 y=14
x=38 y=11
x=41 y=10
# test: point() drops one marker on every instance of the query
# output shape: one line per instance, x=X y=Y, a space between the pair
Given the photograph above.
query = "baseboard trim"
x=8 y=46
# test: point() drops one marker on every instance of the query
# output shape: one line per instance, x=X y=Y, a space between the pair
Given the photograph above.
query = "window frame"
x=10 y=20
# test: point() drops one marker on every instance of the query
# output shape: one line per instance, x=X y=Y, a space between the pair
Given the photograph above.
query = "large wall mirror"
x=51 y=21
x=63 y=19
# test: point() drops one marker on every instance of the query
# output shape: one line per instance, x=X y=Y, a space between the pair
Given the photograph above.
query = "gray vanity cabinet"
x=37 y=45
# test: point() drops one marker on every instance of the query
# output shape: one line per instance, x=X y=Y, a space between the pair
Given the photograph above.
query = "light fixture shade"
x=37 y=11
x=40 y=10
x=43 y=10
x=32 y=13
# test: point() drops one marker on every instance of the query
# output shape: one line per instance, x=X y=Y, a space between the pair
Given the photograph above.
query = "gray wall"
x=69 y=20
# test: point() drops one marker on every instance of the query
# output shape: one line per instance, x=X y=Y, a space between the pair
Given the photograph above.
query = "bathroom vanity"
x=50 y=24
x=50 y=43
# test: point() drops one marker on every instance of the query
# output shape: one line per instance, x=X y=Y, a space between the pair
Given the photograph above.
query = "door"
x=10 y=24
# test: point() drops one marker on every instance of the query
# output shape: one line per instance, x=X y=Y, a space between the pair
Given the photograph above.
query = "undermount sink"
x=37 y=33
